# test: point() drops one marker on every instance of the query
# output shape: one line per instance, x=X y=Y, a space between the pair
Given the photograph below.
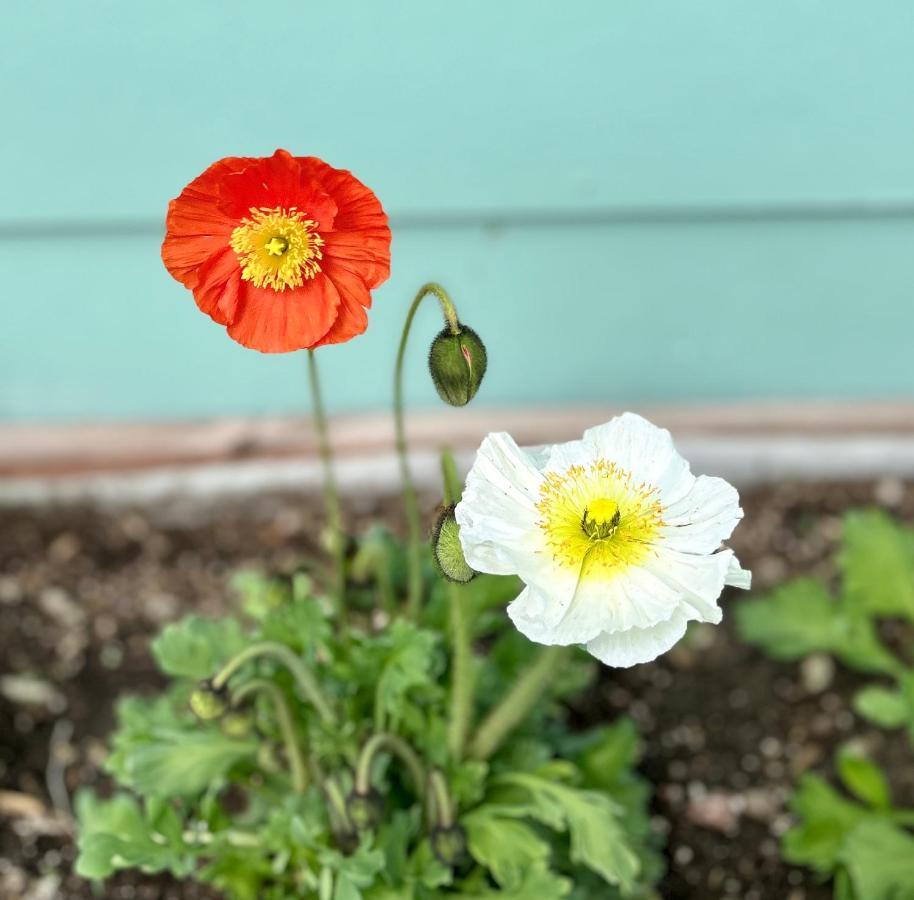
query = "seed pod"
x=457 y=363
x=237 y=723
x=207 y=703
x=447 y=551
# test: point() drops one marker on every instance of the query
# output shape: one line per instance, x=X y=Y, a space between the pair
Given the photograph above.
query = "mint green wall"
x=629 y=201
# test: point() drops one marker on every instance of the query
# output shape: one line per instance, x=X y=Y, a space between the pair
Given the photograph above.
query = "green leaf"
x=863 y=778
x=877 y=562
x=410 y=659
x=115 y=834
x=879 y=858
x=171 y=762
x=597 y=838
x=800 y=618
x=505 y=846
x=539 y=883
x=826 y=818
x=196 y=647
x=883 y=707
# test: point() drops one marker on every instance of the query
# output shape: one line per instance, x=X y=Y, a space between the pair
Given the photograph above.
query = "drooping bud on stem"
x=207 y=702
x=364 y=808
x=457 y=361
x=449 y=845
x=447 y=551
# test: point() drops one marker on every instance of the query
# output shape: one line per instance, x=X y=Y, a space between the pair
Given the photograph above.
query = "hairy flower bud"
x=447 y=551
x=449 y=844
x=207 y=703
x=457 y=363
x=364 y=809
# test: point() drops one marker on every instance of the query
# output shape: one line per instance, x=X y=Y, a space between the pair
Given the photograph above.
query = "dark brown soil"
x=726 y=730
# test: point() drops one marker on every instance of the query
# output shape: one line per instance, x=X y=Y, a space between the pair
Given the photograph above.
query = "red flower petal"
x=351 y=319
x=281 y=321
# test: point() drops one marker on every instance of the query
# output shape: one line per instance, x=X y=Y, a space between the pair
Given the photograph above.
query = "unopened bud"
x=237 y=723
x=207 y=703
x=447 y=551
x=449 y=845
x=457 y=363
x=365 y=809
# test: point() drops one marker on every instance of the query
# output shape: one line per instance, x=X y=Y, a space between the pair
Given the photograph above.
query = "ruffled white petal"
x=737 y=576
x=638 y=645
x=497 y=515
x=704 y=517
x=644 y=450
x=558 y=608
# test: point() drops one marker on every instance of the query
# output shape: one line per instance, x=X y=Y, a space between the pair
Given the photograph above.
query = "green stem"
x=331 y=495
x=302 y=674
x=462 y=680
x=410 y=502
x=516 y=704
x=286 y=726
x=378 y=743
x=337 y=802
x=439 y=801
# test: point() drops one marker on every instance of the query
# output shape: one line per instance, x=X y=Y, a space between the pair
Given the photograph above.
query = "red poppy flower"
x=282 y=250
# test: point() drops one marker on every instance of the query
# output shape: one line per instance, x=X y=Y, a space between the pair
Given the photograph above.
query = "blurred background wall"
x=631 y=202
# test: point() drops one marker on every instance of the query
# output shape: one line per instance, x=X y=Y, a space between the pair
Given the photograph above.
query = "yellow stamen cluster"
x=596 y=517
x=277 y=248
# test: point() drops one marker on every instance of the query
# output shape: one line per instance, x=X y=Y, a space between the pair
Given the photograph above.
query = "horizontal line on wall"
x=70 y=229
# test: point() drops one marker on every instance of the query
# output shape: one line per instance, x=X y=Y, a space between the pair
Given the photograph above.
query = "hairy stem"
x=439 y=801
x=331 y=495
x=410 y=502
x=378 y=743
x=286 y=726
x=462 y=680
x=283 y=654
x=516 y=704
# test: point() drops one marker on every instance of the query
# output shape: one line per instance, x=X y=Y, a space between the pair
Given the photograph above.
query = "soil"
x=726 y=730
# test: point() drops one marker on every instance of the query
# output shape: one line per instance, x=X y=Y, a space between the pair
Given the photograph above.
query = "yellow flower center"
x=277 y=248
x=597 y=518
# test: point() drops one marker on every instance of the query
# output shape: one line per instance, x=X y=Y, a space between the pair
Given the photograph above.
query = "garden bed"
x=726 y=729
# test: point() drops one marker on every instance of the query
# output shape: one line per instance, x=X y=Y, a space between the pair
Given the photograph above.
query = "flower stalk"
x=516 y=704
x=331 y=494
x=390 y=743
x=286 y=726
x=462 y=676
x=303 y=676
x=410 y=501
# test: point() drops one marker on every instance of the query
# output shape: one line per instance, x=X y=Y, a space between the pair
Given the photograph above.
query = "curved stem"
x=462 y=680
x=286 y=726
x=517 y=703
x=378 y=743
x=331 y=495
x=439 y=801
x=302 y=674
x=410 y=503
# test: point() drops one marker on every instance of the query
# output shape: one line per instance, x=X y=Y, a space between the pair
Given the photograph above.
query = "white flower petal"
x=700 y=579
x=557 y=608
x=699 y=521
x=638 y=645
x=737 y=576
x=498 y=511
x=644 y=450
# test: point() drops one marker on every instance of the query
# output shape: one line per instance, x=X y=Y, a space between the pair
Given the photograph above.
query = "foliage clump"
x=862 y=841
x=275 y=800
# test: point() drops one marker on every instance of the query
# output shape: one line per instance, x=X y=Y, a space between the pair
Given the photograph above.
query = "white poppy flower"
x=619 y=545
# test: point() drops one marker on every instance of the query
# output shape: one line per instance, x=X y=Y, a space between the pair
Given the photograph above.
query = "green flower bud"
x=447 y=551
x=457 y=363
x=207 y=703
x=237 y=723
x=449 y=845
x=364 y=809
